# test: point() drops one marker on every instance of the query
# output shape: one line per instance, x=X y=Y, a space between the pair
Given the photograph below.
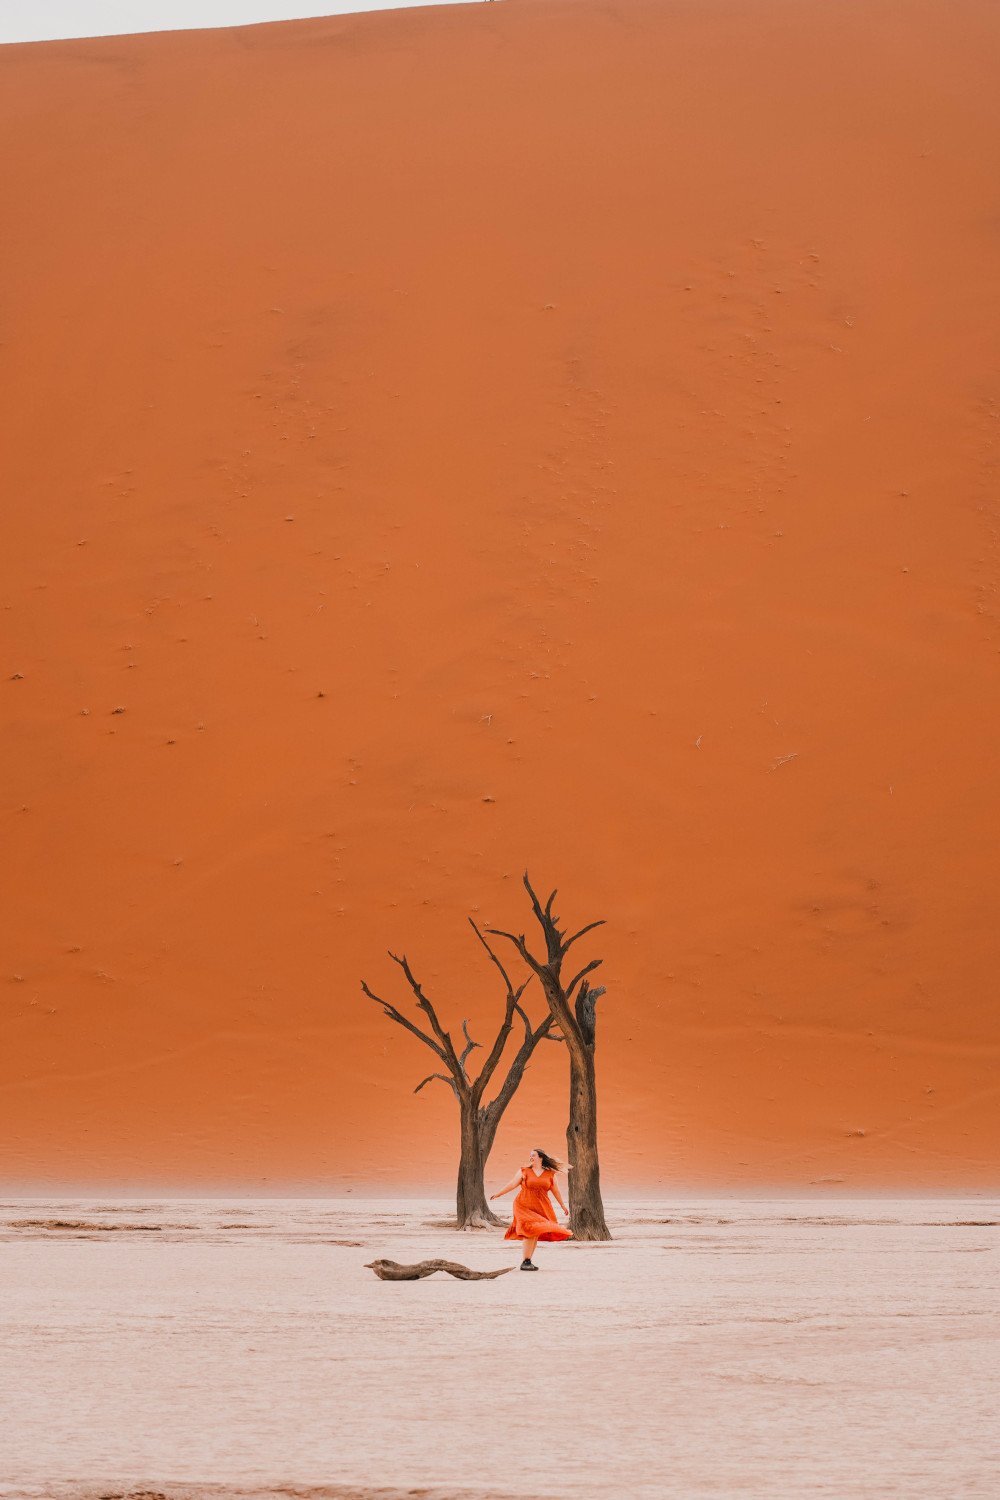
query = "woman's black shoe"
x=528 y=1265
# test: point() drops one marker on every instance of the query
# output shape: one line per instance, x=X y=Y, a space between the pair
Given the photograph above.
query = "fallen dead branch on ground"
x=390 y=1270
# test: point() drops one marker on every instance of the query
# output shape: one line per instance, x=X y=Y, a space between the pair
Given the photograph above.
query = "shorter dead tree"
x=479 y=1121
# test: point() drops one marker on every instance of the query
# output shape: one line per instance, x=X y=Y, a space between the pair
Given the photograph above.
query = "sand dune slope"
x=560 y=434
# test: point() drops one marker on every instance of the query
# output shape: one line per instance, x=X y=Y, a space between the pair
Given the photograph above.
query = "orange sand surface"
x=548 y=434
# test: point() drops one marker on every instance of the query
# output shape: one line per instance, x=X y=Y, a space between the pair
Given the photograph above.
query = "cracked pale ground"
x=777 y=1349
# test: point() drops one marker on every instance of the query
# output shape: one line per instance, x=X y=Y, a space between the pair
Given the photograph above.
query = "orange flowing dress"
x=534 y=1216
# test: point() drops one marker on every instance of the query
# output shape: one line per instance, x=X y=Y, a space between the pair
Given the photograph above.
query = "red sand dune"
x=552 y=433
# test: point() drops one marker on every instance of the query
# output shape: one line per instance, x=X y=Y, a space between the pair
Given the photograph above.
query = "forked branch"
x=595 y=963
x=444 y=1079
x=394 y=1015
x=448 y=1049
x=558 y=995
x=557 y=944
x=468 y=1048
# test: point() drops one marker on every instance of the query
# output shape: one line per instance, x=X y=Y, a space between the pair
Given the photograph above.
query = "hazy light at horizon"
x=63 y=20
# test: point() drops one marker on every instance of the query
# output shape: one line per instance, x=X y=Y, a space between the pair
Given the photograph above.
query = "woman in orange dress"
x=534 y=1216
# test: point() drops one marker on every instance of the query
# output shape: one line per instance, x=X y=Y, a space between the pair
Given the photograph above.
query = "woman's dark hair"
x=549 y=1162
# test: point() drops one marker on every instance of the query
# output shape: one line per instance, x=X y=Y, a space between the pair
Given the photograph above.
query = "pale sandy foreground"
x=774 y=1349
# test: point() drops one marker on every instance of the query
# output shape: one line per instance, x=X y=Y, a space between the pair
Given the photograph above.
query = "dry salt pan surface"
x=778 y=1350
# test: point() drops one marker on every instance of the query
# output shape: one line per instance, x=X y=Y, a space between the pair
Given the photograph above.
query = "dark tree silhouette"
x=478 y=1121
x=577 y=1021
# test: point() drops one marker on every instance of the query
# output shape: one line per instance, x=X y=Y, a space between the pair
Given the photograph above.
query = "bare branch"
x=536 y=908
x=542 y=1034
x=549 y=926
x=448 y=1053
x=496 y=1052
x=469 y=1047
x=589 y=928
x=394 y=1015
x=527 y=1022
x=520 y=945
x=444 y=1079
x=543 y=1027
x=492 y=1112
x=595 y=963
x=503 y=971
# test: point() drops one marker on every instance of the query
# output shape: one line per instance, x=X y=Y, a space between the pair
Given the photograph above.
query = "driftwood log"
x=391 y=1270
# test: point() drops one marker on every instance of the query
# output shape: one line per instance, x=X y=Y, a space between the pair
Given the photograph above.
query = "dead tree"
x=577 y=1022
x=478 y=1121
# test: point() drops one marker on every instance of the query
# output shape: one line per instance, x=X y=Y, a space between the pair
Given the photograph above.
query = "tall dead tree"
x=577 y=1021
x=478 y=1121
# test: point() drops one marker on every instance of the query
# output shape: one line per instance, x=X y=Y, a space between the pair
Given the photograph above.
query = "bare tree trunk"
x=471 y=1208
x=586 y=1209
x=489 y=1119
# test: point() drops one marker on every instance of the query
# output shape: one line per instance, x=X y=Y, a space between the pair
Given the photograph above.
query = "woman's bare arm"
x=514 y=1182
x=557 y=1195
